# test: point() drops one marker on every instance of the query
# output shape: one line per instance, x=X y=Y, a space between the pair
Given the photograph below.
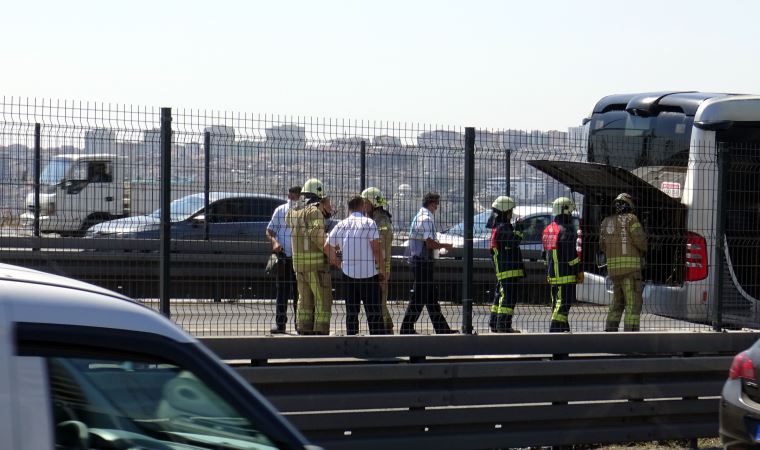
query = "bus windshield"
x=621 y=139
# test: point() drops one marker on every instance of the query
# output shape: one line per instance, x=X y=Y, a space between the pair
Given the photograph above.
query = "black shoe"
x=277 y=330
x=448 y=331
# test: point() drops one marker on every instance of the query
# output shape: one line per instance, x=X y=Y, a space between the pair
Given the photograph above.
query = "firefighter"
x=624 y=244
x=310 y=263
x=507 y=262
x=563 y=264
x=376 y=211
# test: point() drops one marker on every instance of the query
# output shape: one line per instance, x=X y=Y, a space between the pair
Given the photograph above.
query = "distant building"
x=440 y=139
x=286 y=136
x=387 y=141
x=99 y=140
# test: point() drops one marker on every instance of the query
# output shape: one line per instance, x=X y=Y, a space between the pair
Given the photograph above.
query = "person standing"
x=624 y=244
x=507 y=262
x=358 y=240
x=419 y=251
x=563 y=264
x=280 y=237
x=376 y=211
x=307 y=226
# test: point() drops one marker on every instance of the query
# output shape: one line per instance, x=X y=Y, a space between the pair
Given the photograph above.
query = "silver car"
x=740 y=402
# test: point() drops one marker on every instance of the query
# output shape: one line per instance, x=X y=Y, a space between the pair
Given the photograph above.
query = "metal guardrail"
x=130 y=266
x=468 y=392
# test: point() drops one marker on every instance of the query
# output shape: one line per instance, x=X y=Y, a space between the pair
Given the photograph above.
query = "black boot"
x=492 y=322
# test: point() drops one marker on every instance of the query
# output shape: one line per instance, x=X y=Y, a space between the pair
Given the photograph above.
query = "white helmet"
x=313 y=186
x=562 y=205
x=375 y=196
x=503 y=203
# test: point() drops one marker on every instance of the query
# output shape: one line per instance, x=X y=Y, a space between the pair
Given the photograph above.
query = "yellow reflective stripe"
x=495 y=257
x=519 y=234
x=562 y=280
x=635 y=226
x=574 y=261
x=509 y=274
x=557 y=305
x=624 y=262
x=309 y=257
x=504 y=310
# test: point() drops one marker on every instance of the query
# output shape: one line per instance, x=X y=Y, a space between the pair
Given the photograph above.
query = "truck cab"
x=82 y=367
x=76 y=192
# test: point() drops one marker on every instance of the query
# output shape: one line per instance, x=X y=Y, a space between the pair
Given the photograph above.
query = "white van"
x=662 y=149
x=82 y=367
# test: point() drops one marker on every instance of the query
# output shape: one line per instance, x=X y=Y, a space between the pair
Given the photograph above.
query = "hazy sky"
x=536 y=64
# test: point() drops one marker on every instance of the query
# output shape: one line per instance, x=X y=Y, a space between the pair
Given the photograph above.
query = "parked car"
x=84 y=367
x=740 y=402
x=231 y=216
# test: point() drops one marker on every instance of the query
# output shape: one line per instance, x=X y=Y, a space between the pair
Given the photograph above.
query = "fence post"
x=508 y=173
x=206 y=180
x=363 y=164
x=166 y=174
x=720 y=238
x=37 y=174
x=469 y=212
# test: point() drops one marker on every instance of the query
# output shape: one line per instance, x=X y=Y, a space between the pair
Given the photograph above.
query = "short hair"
x=431 y=197
x=355 y=203
x=295 y=190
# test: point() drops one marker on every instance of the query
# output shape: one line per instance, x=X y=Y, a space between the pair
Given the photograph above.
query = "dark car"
x=740 y=402
x=231 y=216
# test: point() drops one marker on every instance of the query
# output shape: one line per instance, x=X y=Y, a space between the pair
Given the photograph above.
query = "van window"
x=623 y=140
x=99 y=172
x=122 y=403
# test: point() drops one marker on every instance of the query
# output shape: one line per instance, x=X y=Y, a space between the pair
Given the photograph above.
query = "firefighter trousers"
x=627 y=296
x=502 y=309
x=314 y=302
x=563 y=297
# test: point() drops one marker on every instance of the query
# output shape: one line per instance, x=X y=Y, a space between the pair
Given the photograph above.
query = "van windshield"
x=623 y=140
x=56 y=171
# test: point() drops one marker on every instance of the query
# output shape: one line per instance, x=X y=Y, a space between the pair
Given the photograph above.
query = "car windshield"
x=55 y=172
x=136 y=404
x=182 y=208
x=479 y=225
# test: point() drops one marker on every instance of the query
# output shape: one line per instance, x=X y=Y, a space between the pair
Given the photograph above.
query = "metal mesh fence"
x=81 y=186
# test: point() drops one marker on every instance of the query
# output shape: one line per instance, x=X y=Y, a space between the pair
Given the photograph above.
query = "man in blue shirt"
x=419 y=251
x=279 y=235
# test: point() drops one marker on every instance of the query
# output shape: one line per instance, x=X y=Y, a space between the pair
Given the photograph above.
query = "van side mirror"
x=73 y=187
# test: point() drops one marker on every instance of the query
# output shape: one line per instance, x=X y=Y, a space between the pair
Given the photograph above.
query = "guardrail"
x=201 y=269
x=490 y=391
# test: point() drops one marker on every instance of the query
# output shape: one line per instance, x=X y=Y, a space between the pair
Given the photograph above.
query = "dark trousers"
x=368 y=291
x=563 y=297
x=286 y=289
x=425 y=295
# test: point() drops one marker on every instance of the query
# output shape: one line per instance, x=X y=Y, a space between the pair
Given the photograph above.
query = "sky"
x=536 y=64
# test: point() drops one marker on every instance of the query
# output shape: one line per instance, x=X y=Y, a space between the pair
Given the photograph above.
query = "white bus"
x=662 y=149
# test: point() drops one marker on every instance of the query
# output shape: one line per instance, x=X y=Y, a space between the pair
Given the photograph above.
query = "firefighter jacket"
x=307 y=225
x=559 y=239
x=623 y=242
x=505 y=251
x=384 y=225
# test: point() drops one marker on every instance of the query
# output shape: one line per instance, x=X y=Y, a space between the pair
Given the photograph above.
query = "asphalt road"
x=256 y=317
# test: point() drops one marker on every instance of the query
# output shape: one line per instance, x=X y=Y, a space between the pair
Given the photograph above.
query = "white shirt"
x=353 y=235
x=281 y=231
x=422 y=229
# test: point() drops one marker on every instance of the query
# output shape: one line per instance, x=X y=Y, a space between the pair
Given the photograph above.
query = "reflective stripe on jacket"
x=505 y=251
x=307 y=226
x=624 y=243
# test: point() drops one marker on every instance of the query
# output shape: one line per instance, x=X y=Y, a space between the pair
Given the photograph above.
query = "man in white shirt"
x=419 y=252
x=279 y=235
x=354 y=246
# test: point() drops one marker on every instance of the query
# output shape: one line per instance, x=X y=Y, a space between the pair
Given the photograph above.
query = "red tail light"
x=696 y=257
x=742 y=368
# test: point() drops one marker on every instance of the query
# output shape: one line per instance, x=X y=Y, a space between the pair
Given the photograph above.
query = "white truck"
x=78 y=191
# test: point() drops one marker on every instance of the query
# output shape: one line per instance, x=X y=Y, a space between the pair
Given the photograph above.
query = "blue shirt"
x=422 y=229
x=281 y=231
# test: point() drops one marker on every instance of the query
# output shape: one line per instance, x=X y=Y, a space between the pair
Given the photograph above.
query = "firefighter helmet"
x=624 y=198
x=503 y=203
x=313 y=186
x=562 y=205
x=375 y=196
